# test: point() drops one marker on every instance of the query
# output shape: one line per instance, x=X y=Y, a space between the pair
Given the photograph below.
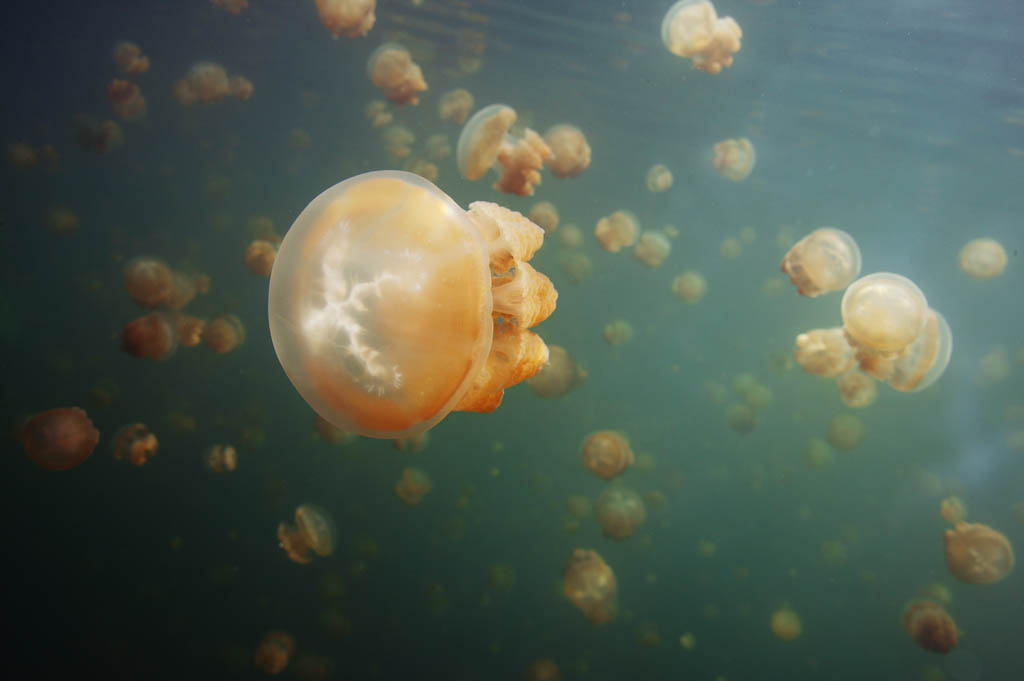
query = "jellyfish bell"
x=135 y=444
x=734 y=159
x=978 y=554
x=570 y=152
x=606 y=454
x=824 y=352
x=620 y=512
x=349 y=18
x=930 y=626
x=590 y=585
x=926 y=359
x=827 y=259
x=692 y=29
x=391 y=68
x=59 y=439
x=883 y=312
x=317 y=526
x=982 y=258
x=152 y=336
x=485 y=142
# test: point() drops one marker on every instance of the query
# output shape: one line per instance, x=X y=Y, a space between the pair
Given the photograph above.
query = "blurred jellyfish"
x=659 y=178
x=570 y=153
x=240 y=87
x=606 y=454
x=126 y=99
x=330 y=433
x=953 y=510
x=437 y=147
x=570 y=236
x=391 y=68
x=485 y=142
x=619 y=511
x=224 y=334
x=413 y=486
x=578 y=506
x=59 y=439
x=221 y=458
x=542 y=669
x=259 y=257
x=689 y=287
x=153 y=336
x=578 y=266
x=817 y=454
x=617 y=333
x=706 y=548
x=930 y=626
x=61 y=220
x=833 y=553
x=425 y=169
x=857 y=390
x=135 y=444
x=188 y=330
x=590 y=585
x=501 y=576
x=693 y=30
x=298 y=139
x=688 y=641
x=827 y=259
x=313 y=532
x=925 y=360
x=741 y=418
x=978 y=554
x=993 y=367
x=231 y=6
x=730 y=248
x=560 y=375
x=734 y=159
x=455 y=105
x=149 y=281
x=758 y=396
x=647 y=635
x=824 y=352
x=398 y=140
x=377 y=113
x=274 y=652
x=22 y=156
x=349 y=18
x=982 y=258
x=845 y=431
x=97 y=136
x=617 y=230
x=652 y=248
x=544 y=214
x=939 y=593
x=786 y=624
x=129 y=57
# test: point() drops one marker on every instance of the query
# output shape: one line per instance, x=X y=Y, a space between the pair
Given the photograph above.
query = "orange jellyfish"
x=208 y=82
x=313 y=532
x=240 y=87
x=930 y=626
x=689 y=287
x=570 y=236
x=544 y=214
x=274 y=652
x=542 y=669
x=953 y=510
x=560 y=375
x=620 y=511
x=391 y=68
x=398 y=140
x=978 y=554
x=59 y=439
x=259 y=257
x=590 y=584
x=425 y=169
x=221 y=458
x=617 y=230
x=845 y=431
x=189 y=330
x=606 y=454
x=485 y=142
x=652 y=248
x=570 y=153
x=857 y=390
x=659 y=178
x=617 y=333
x=135 y=444
x=413 y=486
x=153 y=336
x=824 y=352
x=390 y=306
x=349 y=18
x=126 y=100
x=377 y=113
x=231 y=6
x=693 y=30
x=883 y=313
x=827 y=259
x=437 y=147
x=224 y=334
x=786 y=624
x=455 y=105
x=129 y=57
x=982 y=258
x=734 y=159
x=925 y=360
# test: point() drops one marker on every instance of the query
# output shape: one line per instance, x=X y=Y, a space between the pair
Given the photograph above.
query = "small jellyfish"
x=734 y=159
x=982 y=258
x=693 y=30
x=22 y=156
x=993 y=367
x=590 y=585
x=542 y=669
x=313 y=532
x=377 y=113
x=221 y=458
x=135 y=444
x=706 y=548
x=652 y=248
x=827 y=259
x=59 y=439
x=126 y=99
x=205 y=82
x=817 y=454
x=129 y=57
x=485 y=142
x=274 y=652
x=606 y=454
x=953 y=510
x=578 y=506
x=570 y=153
x=857 y=390
x=978 y=554
x=413 y=486
x=330 y=433
x=391 y=68
x=659 y=178
x=437 y=147
x=578 y=266
x=455 y=105
x=617 y=231
x=689 y=287
x=845 y=431
x=560 y=375
x=100 y=137
x=786 y=624
x=758 y=396
x=824 y=352
x=398 y=140
x=925 y=360
x=240 y=87
x=259 y=257
x=730 y=248
x=570 y=236
x=349 y=18
x=833 y=553
x=501 y=576
x=231 y=6
x=930 y=626
x=425 y=169
x=224 y=334
x=544 y=214
x=883 y=313
x=152 y=336
x=298 y=139
x=620 y=512
x=617 y=333
x=61 y=220
x=741 y=418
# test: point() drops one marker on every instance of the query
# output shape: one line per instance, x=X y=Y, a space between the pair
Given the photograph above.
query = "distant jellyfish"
x=693 y=30
x=231 y=6
x=224 y=334
x=135 y=444
x=590 y=585
x=758 y=396
x=730 y=248
x=689 y=287
x=570 y=153
x=824 y=352
x=656 y=500
x=398 y=140
x=617 y=333
x=259 y=257
x=845 y=431
x=560 y=375
x=60 y=220
x=924 y=361
x=153 y=336
x=542 y=669
x=413 y=486
x=298 y=139
x=606 y=454
x=544 y=214
x=817 y=454
x=349 y=18
x=99 y=137
x=240 y=87
x=205 y=82
x=330 y=433
x=455 y=105
x=126 y=100
x=706 y=548
x=391 y=68
x=982 y=258
x=22 y=156
x=937 y=592
x=786 y=624
x=189 y=330
x=741 y=418
x=425 y=169
x=827 y=259
x=59 y=439
x=578 y=266
x=748 y=235
x=930 y=626
x=437 y=147
x=221 y=458
x=652 y=248
x=833 y=553
x=953 y=510
x=993 y=367
x=578 y=506
x=620 y=512
x=274 y=652
x=857 y=390
x=978 y=554
x=312 y=533
x=617 y=231
x=378 y=114
x=659 y=178
x=734 y=159
x=501 y=576
x=485 y=142
x=129 y=57
x=570 y=236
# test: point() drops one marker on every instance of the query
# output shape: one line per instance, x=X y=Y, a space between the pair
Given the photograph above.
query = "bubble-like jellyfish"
x=126 y=99
x=606 y=454
x=59 y=439
x=978 y=554
x=758 y=396
x=786 y=624
x=455 y=105
x=425 y=169
x=659 y=178
x=135 y=444
x=129 y=57
x=817 y=454
x=485 y=142
x=982 y=258
x=617 y=231
x=734 y=159
x=953 y=510
x=652 y=248
x=857 y=390
x=543 y=669
x=224 y=334
x=689 y=287
x=390 y=306
x=578 y=266
x=152 y=336
x=391 y=68
x=274 y=652
x=205 y=82
x=925 y=360
x=845 y=431
x=570 y=152
x=544 y=214
x=259 y=257
x=827 y=259
x=413 y=486
x=312 y=533
x=560 y=375
x=221 y=458
x=149 y=281
x=824 y=352
x=620 y=512
x=930 y=626
x=883 y=315
x=591 y=586
x=349 y=18
x=617 y=333
x=693 y=30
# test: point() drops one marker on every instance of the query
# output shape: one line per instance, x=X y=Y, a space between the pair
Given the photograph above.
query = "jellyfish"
x=205 y=82
x=786 y=624
x=61 y=220
x=135 y=444
x=857 y=390
x=689 y=287
x=184 y=287
x=485 y=142
x=349 y=18
x=706 y=548
x=240 y=87
x=925 y=360
x=126 y=99
x=22 y=156
x=153 y=336
x=578 y=266
x=129 y=57
x=693 y=30
x=570 y=236
x=398 y=140
x=883 y=313
x=274 y=652
x=982 y=258
x=224 y=334
x=259 y=257
x=425 y=169
x=953 y=510
x=930 y=626
x=845 y=431
x=827 y=259
x=330 y=433
x=758 y=396
x=993 y=367
x=824 y=352
x=620 y=511
x=652 y=248
x=560 y=375
x=391 y=68
x=570 y=153
x=817 y=454
x=730 y=248
x=544 y=214
x=231 y=6
x=578 y=506
x=413 y=486
x=656 y=500
x=455 y=105
x=59 y=439
x=390 y=306
x=188 y=330
x=741 y=418
x=590 y=585
x=833 y=552
x=312 y=533
x=978 y=554
x=501 y=576
x=734 y=159
x=937 y=592
x=542 y=669
x=606 y=454
x=659 y=178
x=100 y=137
x=437 y=147
x=221 y=458
x=377 y=113
x=617 y=333
x=617 y=230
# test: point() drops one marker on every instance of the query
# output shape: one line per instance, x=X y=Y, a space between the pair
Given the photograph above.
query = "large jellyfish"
x=485 y=142
x=693 y=30
x=827 y=259
x=59 y=439
x=391 y=68
x=978 y=554
x=590 y=584
x=390 y=306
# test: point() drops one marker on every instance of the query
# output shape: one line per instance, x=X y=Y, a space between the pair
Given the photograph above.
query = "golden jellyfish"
x=560 y=375
x=937 y=592
x=542 y=669
x=59 y=439
x=741 y=418
x=824 y=352
x=221 y=458
x=61 y=220
x=153 y=336
x=845 y=431
x=617 y=231
x=544 y=214
x=706 y=548
x=857 y=390
x=126 y=99
x=274 y=652
x=189 y=330
x=455 y=105
x=617 y=333
x=730 y=248
x=129 y=57
x=734 y=159
x=656 y=500
x=827 y=259
x=391 y=68
x=758 y=396
x=390 y=306
x=259 y=257
x=693 y=30
x=925 y=360
x=135 y=444
x=982 y=258
x=240 y=87
x=398 y=140
x=97 y=136
x=349 y=18
x=953 y=510
x=570 y=152
x=659 y=178
x=485 y=142
x=425 y=169
x=312 y=533
x=377 y=113
x=647 y=635
x=786 y=624
x=620 y=511
x=883 y=313
x=689 y=287
x=578 y=266
x=930 y=626
x=22 y=156
x=413 y=486
x=437 y=147
x=606 y=454
x=224 y=334
x=205 y=82
x=978 y=554
x=993 y=367
x=590 y=585
x=231 y=6
x=652 y=248
x=833 y=553
x=570 y=236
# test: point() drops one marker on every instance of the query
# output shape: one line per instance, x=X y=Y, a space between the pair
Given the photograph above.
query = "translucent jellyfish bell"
x=927 y=357
x=478 y=145
x=883 y=312
x=827 y=259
